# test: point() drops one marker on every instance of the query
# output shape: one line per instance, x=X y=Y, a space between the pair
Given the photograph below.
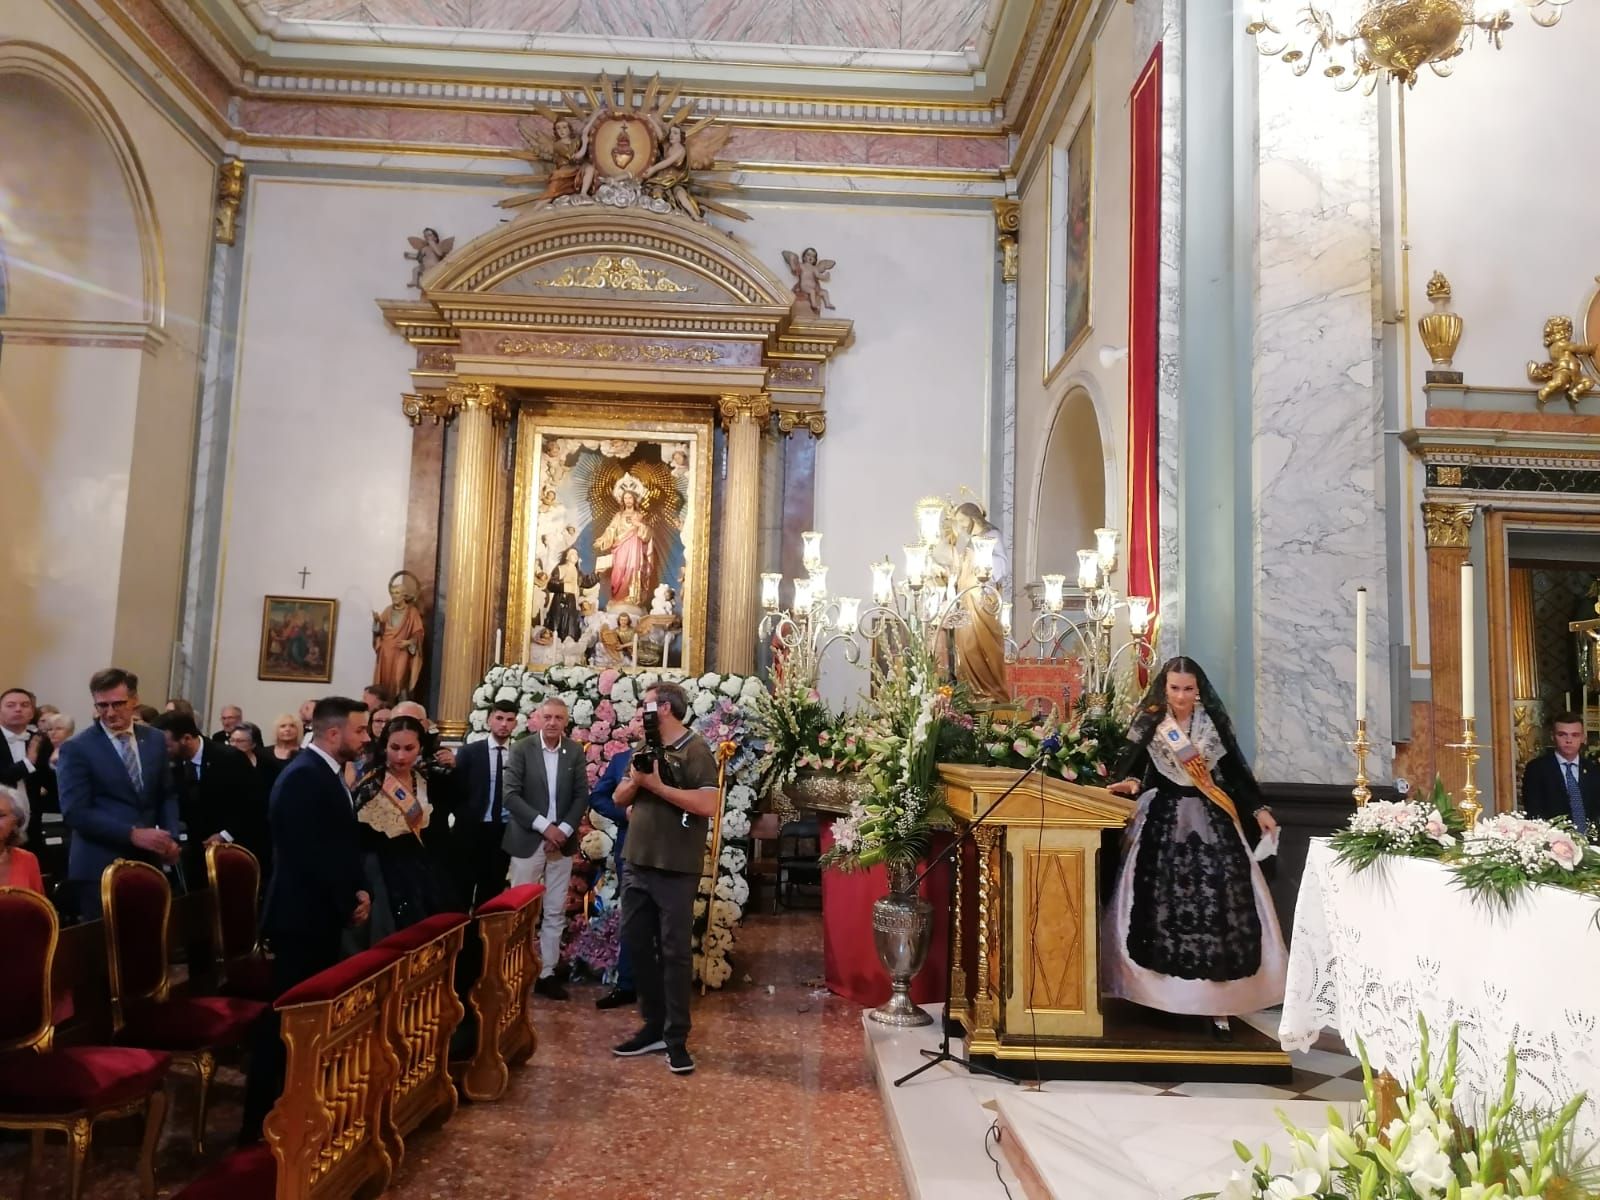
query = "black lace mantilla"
x=1194 y=913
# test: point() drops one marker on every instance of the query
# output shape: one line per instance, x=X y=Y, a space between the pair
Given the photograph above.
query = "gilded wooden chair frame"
x=75 y=1127
x=427 y=1012
x=202 y=1062
x=499 y=999
x=219 y=941
x=328 y=1128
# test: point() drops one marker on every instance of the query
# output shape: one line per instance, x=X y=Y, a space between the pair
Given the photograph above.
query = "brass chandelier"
x=1356 y=41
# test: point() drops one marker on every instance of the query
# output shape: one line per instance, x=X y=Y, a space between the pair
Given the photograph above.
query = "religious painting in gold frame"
x=297 y=635
x=611 y=523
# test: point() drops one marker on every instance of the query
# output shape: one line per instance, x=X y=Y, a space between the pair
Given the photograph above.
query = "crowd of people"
x=363 y=823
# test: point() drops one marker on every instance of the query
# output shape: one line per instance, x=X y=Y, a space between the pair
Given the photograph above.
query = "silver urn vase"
x=902 y=925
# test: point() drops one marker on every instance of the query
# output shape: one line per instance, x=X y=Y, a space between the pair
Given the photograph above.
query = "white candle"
x=499 y=643
x=1468 y=656
x=1361 y=654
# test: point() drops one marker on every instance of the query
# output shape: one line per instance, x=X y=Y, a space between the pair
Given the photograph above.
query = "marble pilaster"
x=737 y=598
x=1008 y=223
x=1317 y=431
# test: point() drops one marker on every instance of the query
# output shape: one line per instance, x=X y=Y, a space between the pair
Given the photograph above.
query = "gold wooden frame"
x=1499 y=523
x=566 y=415
x=333 y=632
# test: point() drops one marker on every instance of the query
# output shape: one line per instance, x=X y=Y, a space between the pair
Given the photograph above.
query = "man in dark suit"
x=232 y=718
x=547 y=791
x=1562 y=782
x=317 y=886
x=117 y=794
x=477 y=837
x=25 y=757
x=221 y=797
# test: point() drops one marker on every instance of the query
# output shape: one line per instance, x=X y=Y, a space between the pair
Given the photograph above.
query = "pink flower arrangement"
x=608 y=680
x=605 y=711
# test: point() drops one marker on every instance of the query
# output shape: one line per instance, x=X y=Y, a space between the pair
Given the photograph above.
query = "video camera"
x=653 y=751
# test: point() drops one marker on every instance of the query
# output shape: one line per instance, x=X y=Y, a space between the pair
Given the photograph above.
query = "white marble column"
x=1318 y=522
x=1007 y=215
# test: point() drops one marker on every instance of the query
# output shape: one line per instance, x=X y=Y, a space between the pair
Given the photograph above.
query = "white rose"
x=595 y=845
x=735 y=824
x=649 y=679
x=741 y=797
x=622 y=690
x=734 y=859
x=583 y=712
x=532 y=684
x=730 y=686
x=709 y=680
x=626 y=710
x=508 y=693
x=704 y=702
x=478 y=722
x=717 y=972
x=724 y=912
x=699 y=908
x=494 y=675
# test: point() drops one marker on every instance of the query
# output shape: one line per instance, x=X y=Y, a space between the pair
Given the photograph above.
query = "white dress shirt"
x=333 y=765
x=552 y=772
x=19 y=748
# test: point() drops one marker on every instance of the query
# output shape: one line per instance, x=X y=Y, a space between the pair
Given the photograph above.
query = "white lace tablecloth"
x=1372 y=949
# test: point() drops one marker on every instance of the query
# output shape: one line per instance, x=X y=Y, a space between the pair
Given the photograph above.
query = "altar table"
x=1372 y=949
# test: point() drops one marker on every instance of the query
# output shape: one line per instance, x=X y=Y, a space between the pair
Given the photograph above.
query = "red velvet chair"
x=235 y=878
x=138 y=904
x=66 y=1089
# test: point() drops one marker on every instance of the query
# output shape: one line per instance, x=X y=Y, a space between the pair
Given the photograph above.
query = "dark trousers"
x=658 y=931
x=481 y=865
x=294 y=960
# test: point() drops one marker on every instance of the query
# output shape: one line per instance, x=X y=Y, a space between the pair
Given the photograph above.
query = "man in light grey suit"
x=546 y=793
x=117 y=793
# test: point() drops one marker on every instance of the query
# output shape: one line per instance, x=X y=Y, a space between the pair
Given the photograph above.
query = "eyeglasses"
x=111 y=705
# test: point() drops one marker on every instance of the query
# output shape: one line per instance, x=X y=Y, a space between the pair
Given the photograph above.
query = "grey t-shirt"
x=658 y=836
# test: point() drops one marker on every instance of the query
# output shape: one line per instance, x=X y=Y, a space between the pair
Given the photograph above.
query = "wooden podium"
x=1025 y=949
x=1025 y=954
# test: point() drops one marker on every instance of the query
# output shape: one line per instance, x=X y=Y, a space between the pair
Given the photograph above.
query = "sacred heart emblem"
x=623 y=146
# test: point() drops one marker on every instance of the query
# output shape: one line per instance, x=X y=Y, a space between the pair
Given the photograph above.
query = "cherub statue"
x=1564 y=373
x=562 y=149
x=682 y=153
x=428 y=252
x=809 y=276
x=661 y=602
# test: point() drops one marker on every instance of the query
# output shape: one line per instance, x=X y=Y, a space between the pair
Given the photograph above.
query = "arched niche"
x=83 y=242
x=1074 y=478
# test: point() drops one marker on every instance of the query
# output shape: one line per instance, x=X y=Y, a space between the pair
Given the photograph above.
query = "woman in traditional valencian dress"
x=628 y=538
x=403 y=830
x=1191 y=927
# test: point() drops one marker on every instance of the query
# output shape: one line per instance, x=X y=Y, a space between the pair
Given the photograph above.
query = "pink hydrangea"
x=600 y=731
x=593 y=771
x=580 y=734
x=614 y=748
x=592 y=752
x=608 y=680
x=605 y=711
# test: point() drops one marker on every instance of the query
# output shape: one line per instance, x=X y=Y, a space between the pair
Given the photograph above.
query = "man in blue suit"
x=602 y=798
x=117 y=792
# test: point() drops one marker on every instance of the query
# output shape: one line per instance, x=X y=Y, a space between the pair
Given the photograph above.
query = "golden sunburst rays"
x=661 y=495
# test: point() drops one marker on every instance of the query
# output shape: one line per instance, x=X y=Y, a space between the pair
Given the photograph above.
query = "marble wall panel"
x=847 y=23
x=1318 y=432
x=532 y=16
x=632 y=18
x=770 y=21
x=940 y=24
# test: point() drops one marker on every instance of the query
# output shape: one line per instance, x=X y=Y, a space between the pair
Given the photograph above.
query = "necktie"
x=1580 y=820
x=496 y=803
x=130 y=760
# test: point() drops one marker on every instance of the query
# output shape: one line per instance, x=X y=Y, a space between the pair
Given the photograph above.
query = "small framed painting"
x=297 y=639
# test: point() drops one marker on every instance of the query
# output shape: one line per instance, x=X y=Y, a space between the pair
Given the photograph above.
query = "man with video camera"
x=672 y=790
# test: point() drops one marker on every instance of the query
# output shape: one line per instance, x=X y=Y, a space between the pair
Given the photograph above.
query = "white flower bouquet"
x=1426 y=828
x=1415 y=1144
x=1508 y=852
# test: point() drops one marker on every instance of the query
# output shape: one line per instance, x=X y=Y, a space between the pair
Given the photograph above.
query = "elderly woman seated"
x=18 y=867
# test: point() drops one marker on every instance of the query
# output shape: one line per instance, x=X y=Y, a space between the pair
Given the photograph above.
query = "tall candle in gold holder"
x=1361 y=746
x=1468 y=805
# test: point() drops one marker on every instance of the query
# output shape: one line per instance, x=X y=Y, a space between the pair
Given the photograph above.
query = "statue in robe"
x=980 y=639
x=397 y=637
x=633 y=544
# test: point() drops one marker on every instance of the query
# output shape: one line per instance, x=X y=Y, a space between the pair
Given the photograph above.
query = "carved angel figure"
x=809 y=276
x=427 y=251
x=683 y=153
x=1564 y=373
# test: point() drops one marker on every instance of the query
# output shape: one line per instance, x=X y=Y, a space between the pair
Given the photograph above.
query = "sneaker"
x=643 y=1042
x=617 y=998
x=678 y=1060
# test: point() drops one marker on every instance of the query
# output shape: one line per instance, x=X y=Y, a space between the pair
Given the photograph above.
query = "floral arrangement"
x=607 y=719
x=1428 y=828
x=893 y=823
x=1088 y=748
x=1506 y=853
x=1494 y=862
x=1420 y=1146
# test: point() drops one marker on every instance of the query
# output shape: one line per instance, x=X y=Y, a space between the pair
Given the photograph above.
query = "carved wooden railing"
x=426 y=1015
x=327 y=1131
x=508 y=926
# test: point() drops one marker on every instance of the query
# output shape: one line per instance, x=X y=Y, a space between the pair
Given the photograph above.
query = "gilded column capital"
x=230 y=190
x=1447 y=525
x=490 y=397
x=811 y=419
x=430 y=406
x=1008 y=227
x=757 y=407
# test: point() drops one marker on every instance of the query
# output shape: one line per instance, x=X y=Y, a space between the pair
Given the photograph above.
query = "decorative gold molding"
x=757 y=407
x=1448 y=525
x=620 y=273
x=488 y=396
x=230 y=190
x=812 y=419
x=432 y=406
x=1008 y=227
x=656 y=352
